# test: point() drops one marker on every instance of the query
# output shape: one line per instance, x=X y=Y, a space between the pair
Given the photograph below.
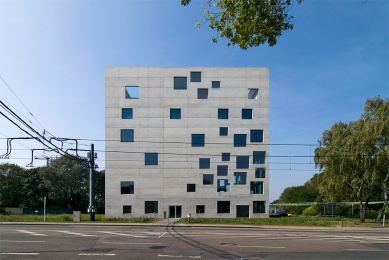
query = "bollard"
x=342 y=220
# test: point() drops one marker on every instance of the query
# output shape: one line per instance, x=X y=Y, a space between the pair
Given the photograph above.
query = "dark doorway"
x=242 y=211
x=174 y=211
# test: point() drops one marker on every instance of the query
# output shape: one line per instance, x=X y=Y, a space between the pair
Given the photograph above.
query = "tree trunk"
x=362 y=210
x=382 y=210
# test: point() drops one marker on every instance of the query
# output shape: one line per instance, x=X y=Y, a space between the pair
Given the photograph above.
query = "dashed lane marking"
x=18 y=241
x=76 y=234
x=96 y=254
x=120 y=243
x=120 y=234
x=179 y=256
x=31 y=233
x=19 y=253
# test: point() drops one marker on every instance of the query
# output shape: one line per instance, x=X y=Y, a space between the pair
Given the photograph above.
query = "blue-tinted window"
x=239 y=140
x=132 y=92
x=259 y=206
x=180 y=83
x=222 y=170
x=126 y=187
x=226 y=157
x=259 y=157
x=175 y=113
x=260 y=172
x=151 y=206
x=204 y=163
x=127 y=135
x=223 y=185
x=195 y=76
x=256 y=187
x=256 y=136
x=151 y=158
x=223 y=207
x=215 y=85
x=247 y=114
x=222 y=113
x=126 y=113
x=240 y=178
x=242 y=162
x=202 y=93
x=198 y=140
x=223 y=131
x=252 y=93
x=207 y=179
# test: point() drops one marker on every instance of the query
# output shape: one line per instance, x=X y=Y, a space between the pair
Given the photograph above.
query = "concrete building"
x=187 y=140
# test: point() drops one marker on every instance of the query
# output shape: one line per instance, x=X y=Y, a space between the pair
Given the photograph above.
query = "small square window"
x=223 y=131
x=225 y=157
x=215 y=85
x=126 y=209
x=259 y=157
x=247 y=114
x=195 y=76
x=260 y=172
x=151 y=206
x=132 y=92
x=252 y=93
x=126 y=187
x=207 y=179
x=240 y=178
x=242 y=162
x=259 y=206
x=200 y=209
x=223 y=185
x=202 y=93
x=239 y=140
x=190 y=187
x=223 y=207
x=175 y=113
x=126 y=113
x=180 y=82
x=256 y=187
x=151 y=158
x=198 y=140
x=127 y=135
x=204 y=163
x=222 y=170
x=222 y=113
x=256 y=136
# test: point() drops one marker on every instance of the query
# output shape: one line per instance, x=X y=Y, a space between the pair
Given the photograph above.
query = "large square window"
x=151 y=158
x=256 y=187
x=247 y=114
x=202 y=93
x=240 y=178
x=256 y=136
x=127 y=135
x=252 y=93
x=242 y=162
x=207 y=179
x=190 y=187
x=259 y=157
x=259 y=206
x=198 y=140
x=126 y=113
x=126 y=209
x=222 y=170
x=180 y=83
x=223 y=185
x=223 y=131
x=239 y=140
x=151 y=206
x=223 y=207
x=225 y=157
x=222 y=113
x=132 y=92
x=204 y=163
x=175 y=113
x=215 y=85
x=126 y=187
x=195 y=76
x=260 y=172
x=200 y=209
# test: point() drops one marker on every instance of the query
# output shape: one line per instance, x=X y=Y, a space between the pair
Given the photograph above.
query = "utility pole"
x=91 y=207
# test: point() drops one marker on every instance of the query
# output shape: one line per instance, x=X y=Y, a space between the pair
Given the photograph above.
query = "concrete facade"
x=153 y=129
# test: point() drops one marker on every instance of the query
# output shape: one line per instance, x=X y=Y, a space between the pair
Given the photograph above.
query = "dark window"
x=259 y=206
x=204 y=163
x=126 y=209
x=222 y=170
x=190 y=187
x=256 y=136
x=252 y=93
x=180 y=82
x=175 y=113
x=151 y=158
x=151 y=206
x=126 y=187
x=256 y=187
x=247 y=114
x=132 y=92
x=223 y=131
x=259 y=157
x=126 y=113
x=127 y=135
x=242 y=162
x=260 y=172
x=198 y=140
x=215 y=85
x=195 y=76
x=223 y=185
x=239 y=140
x=240 y=177
x=222 y=113
x=202 y=93
x=207 y=179
x=226 y=157
x=223 y=207
x=200 y=209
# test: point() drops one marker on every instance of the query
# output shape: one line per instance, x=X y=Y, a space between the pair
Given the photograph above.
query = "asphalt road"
x=190 y=242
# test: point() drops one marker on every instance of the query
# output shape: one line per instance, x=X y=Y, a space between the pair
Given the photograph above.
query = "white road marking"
x=15 y=241
x=152 y=233
x=162 y=235
x=19 y=253
x=94 y=254
x=119 y=243
x=31 y=233
x=120 y=234
x=278 y=247
x=76 y=234
x=372 y=250
x=179 y=256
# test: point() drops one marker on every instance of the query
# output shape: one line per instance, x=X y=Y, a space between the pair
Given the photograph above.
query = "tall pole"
x=91 y=208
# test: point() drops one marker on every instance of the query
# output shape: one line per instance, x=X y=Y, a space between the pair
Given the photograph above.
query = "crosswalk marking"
x=31 y=233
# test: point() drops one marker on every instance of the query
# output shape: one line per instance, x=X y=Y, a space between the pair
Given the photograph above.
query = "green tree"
x=248 y=23
x=100 y=191
x=11 y=177
x=32 y=189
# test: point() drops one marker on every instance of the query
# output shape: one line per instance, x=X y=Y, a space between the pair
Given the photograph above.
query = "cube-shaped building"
x=186 y=140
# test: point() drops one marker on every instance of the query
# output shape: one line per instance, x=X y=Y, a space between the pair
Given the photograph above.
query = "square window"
x=204 y=163
x=190 y=187
x=239 y=140
x=247 y=114
x=259 y=157
x=151 y=158
x=223 y=131
x=126 y=187
x=127 y=135
x=260 y=172
x=256 y=136
x=202 y=93
x=180 y=83
x=259 y=206
x=252 y=93
x=256 y=187
x=242 y=162
x=151 y=206
x=240 y=178
x=222 y=170
x=226 y=157
x=126 y=113
x=175 y=113
x=223 y=207
x=215 y=85
x=198 y=140
x=132 y=92
x=222 y=113
x=200 y=209
x=208 y=179
x=223 y=185
x=195 y=76
x=126 y=209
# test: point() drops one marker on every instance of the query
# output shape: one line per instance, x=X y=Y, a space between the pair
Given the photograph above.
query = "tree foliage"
x=248 y=23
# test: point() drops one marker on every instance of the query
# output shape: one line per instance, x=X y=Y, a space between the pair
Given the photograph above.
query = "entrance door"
x=242 y=211
x=174 y=211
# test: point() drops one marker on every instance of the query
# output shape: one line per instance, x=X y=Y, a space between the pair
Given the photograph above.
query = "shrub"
x=311 y=211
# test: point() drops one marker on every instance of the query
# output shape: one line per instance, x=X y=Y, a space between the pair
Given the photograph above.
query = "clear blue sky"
x=53 y=55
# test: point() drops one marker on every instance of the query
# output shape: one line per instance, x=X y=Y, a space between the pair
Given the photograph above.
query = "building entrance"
x=174 y=211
